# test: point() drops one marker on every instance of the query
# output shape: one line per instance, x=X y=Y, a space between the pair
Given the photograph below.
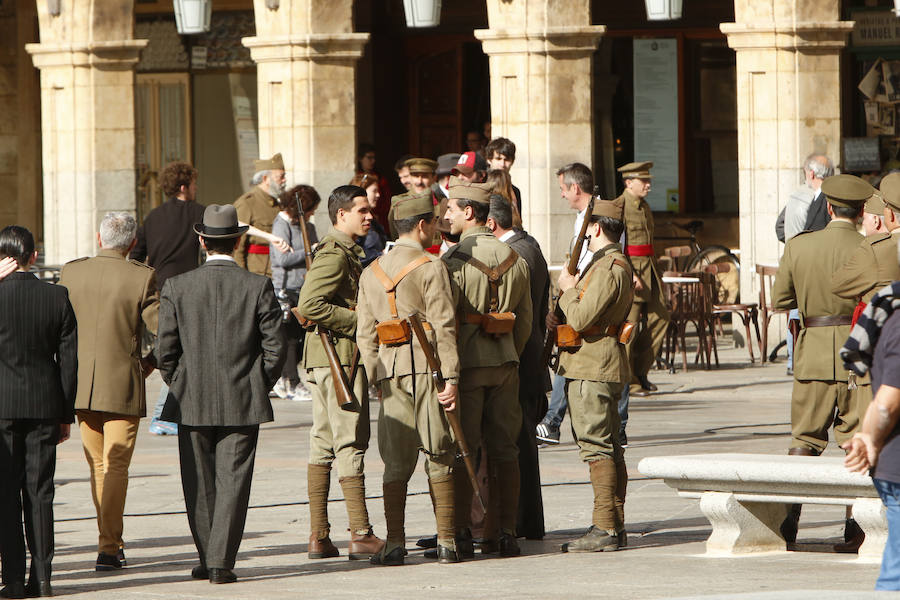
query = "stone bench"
x=746 y=496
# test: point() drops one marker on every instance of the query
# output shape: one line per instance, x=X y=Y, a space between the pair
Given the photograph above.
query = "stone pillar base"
x=872 y=518
x=742 y=527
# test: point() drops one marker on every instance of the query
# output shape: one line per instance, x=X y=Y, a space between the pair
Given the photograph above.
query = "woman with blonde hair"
x=501 y=184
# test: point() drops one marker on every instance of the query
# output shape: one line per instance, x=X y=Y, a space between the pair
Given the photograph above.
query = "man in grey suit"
x=534 y=378
x=220 y=350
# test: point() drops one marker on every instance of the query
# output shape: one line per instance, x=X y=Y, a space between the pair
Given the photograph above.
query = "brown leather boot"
x=853 y=538
x=364 y=546
x=791 y=524
x=318 y=479
x=321 y=548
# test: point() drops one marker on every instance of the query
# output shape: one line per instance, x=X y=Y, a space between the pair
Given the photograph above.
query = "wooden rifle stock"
x=342 y=388
x=453 y=415
x=572 y=268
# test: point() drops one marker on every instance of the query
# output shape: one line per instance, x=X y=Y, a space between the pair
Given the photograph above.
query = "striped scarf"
x=859 y=348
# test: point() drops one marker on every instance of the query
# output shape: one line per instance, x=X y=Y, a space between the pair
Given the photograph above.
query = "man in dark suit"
x=220 y=350
x=534 y=379
x=37 y=407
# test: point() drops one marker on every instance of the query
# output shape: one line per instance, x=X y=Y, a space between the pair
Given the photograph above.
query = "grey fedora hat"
x=220 y=222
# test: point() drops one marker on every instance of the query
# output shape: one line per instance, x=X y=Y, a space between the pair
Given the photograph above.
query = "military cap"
x=890 y=190
x=414 y=205
x=421 y=165
x=848 y=191
x=446 y=163
x=614 y=209
x=465 y=190
x=273 y=164
x=875 y=205
x=636 y=170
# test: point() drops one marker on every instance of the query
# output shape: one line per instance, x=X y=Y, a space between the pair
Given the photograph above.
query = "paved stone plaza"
x=738 y=408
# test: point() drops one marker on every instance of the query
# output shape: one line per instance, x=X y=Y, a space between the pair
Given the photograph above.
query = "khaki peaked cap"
x=413 y=206
x=273 y=164
x=636 y=170
x=848 y=191
x=421 y=165
x=875 y=205
x=465 y=190
x=613 y=209
x=890 y=190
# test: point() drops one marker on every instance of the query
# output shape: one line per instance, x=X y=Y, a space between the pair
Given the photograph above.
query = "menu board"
x=861 y=154
x=656 y=115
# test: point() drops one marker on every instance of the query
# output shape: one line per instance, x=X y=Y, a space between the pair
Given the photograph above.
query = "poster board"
x=656 y=115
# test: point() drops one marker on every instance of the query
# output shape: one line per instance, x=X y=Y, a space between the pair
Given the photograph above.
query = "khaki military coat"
x=114 y=301
x=259 y=209
x=873 y=265
x=601 y=298
x=803 y=281
x=328 y=297
x=639 y=232
x=471 y=290
x=425 y=290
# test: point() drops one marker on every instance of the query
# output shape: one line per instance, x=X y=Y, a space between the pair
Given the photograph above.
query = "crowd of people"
x=435 y=304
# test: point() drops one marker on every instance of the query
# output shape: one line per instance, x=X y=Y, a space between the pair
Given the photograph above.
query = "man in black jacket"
x=37 y=407
x=220 y=350
x=534 y=379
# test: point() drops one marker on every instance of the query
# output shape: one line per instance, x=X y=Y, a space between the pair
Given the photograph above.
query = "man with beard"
x=258 y=208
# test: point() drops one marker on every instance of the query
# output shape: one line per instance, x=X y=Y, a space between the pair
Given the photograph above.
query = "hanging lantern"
x=423 y=13
x=667 y=10
x=192 y=16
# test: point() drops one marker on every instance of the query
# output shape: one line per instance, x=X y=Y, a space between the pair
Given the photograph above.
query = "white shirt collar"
x=220 y=257
x=507 y=235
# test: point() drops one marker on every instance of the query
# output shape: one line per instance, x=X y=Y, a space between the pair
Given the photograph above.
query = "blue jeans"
x=558 y=403
x=623 y=408
x=155 y=423
x=794 y=314
x=889 y=579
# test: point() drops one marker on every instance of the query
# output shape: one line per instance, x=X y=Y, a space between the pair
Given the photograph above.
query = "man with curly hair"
x=166 y=241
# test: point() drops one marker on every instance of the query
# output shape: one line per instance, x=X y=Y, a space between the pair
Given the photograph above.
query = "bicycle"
x=700 y=257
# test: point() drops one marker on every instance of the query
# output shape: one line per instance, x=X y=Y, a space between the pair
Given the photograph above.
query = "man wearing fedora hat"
x=217 y=324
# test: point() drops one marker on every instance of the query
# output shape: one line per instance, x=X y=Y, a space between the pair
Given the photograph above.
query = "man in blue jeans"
x=547 y=431
x=876 y=447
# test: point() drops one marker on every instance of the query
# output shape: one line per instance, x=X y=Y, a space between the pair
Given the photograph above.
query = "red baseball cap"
x=470 y=161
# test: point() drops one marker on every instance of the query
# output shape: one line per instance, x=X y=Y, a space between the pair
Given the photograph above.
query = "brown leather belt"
x=611 y=331
x=830 y=321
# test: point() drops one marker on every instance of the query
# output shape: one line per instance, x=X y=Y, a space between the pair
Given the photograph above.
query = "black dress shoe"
x=13 y=590
x=107 y=562
x=121 y=556
x=200 y=572
x=645 y=383
x=446 y=555
x=39 y=589
x=508 y=545
x=465 y=545
x=222 y=576
x=427 y=542
x=394 y=558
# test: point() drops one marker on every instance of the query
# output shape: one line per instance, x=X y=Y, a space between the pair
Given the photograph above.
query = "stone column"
x=788 y=106
x=87 y=122
x=540 y=64
x=306 y=57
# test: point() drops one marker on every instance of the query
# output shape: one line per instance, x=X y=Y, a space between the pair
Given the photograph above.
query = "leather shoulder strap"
x=493 y=275
x=390 y=285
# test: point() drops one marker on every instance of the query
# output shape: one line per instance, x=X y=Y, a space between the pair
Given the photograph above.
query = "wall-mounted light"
x=273 y=4
x=423 y=13
x=666 y=10
x=192 y=16
x=54 y=7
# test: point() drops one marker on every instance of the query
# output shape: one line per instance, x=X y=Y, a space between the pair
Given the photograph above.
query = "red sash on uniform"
x=856 y=312
x=642 y=250
x=434 y=249
x=258 y=249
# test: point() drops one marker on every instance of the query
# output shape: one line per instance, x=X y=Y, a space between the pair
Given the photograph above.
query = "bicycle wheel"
x=730 y=281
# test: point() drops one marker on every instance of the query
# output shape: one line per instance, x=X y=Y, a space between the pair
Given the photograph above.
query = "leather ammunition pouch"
x=395 y=331
x=567 y=337
x=492 y=322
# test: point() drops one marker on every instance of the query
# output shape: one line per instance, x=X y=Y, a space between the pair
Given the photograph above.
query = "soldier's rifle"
x=572 y=268
x=453 y=415
x=342 y=388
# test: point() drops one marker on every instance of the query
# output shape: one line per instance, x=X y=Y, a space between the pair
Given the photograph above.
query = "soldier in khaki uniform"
x=596 y=369
x=404 y=281
x=258 y=209
x=421 y=178
x=494 y=315
x=803 y=281
x=338 y=434
x=648 y=307
x=114 y=300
